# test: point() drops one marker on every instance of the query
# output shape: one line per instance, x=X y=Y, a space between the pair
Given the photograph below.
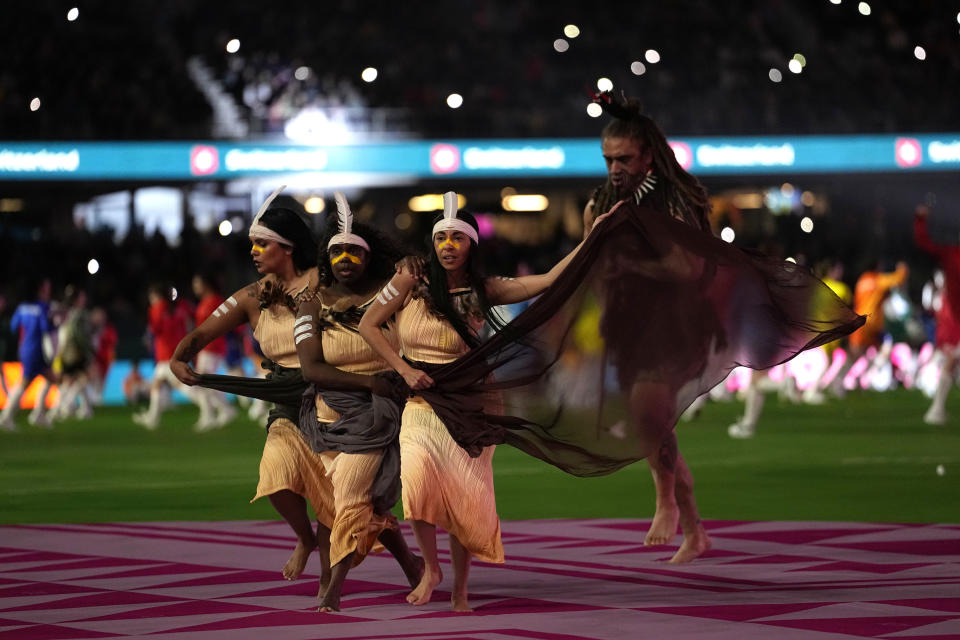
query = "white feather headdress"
x=450 y=221
x=345 y=225
x=258 y=230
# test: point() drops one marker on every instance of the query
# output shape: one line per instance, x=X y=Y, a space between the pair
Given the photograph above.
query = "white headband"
x=257 y=230
x=451 y=222
x=345 y=224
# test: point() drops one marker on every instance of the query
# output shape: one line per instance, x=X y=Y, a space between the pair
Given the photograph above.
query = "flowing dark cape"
x=673 y=310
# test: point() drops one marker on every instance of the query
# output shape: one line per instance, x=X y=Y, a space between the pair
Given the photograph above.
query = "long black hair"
x=381 y=258
x=291 y=226
x=677 y=192
x=441 y=302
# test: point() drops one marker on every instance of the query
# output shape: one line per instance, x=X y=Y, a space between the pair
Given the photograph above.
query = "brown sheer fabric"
x=667 y=312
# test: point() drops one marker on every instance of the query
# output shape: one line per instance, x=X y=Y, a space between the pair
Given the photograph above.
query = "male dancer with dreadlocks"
x=642 y=166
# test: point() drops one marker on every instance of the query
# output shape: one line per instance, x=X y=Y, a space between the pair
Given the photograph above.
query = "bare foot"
x=695 y=544
x=460 y=604
x=329 y=603
x=298 y=560
x=664 y=525
x=413 y=569
x=421 y=594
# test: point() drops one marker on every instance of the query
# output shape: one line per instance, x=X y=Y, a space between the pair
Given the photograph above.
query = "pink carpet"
x=563 y=579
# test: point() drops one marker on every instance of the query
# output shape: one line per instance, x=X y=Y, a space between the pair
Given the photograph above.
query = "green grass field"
x=866 y=458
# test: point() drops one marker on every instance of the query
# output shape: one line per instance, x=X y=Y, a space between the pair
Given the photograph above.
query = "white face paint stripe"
x=307 y=328
x=222 y=308
x=392 y=289
x=300 y=338
x=302 y=319
x=381 y=299
x=216 y=313
x=385 y=292
x=232 y=301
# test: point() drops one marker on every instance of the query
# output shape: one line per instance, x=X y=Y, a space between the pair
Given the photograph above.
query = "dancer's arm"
x=508 y=291
x=241 y=307
x=390 y=301
x=313 y=365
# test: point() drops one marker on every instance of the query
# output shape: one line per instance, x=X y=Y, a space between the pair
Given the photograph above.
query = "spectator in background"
x=136 y=388
x=215 y=410
x=168 y=322
x=948 y=316
x=31 y=320
x=105 y=341
x=74 y=355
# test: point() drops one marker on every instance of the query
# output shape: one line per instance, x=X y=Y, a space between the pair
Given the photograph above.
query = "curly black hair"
x=291 y=226
x=382 y=257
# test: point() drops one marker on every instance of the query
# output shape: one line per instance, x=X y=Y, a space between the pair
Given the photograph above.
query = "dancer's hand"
x=184 y=372
x=413 y=265
x=417 y=379
x=606 y=215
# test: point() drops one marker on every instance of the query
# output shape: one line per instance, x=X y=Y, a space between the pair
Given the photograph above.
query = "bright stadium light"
x=638 y=68
x=806 y=225
x=864 y=8
x=594 y=110
x=775 y=75
x=834 y=1
x=795 y=66
x=432 y=202
x=93 y=266
x=233 y=46
x=454 y=100
x=560 y=45
x=73 y=14
x=802 y=59
x=35 y=104
x=369 y=74
x=728 y=234
x=652 y=56
x=314 y=204
x=605 y=84
x=225 y=228
x=526 y=202
x=571 y=31
x=302 y=73
x=919 y=53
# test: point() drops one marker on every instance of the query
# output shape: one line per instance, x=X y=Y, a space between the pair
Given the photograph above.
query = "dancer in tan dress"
x=334 y=357
x=291 y=474
x=438 y=321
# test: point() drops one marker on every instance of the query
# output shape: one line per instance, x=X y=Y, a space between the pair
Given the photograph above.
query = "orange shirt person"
x=868 y=296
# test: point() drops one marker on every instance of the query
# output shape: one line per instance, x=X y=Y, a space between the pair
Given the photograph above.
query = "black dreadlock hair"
x=677 y=192
x=475 y=303
x=381 y=259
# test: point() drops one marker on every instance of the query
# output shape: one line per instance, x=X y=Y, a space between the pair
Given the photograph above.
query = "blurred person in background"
x=872 y=289
x=136 y=388
x=168 y=321
x=75 y=351
x=31 y=321
x=948 y=316
x=105 y=339
x=215 y=410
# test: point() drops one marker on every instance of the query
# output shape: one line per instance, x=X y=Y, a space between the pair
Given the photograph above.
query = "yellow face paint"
x=258 y=249
x=345 y=256
x=449 y=241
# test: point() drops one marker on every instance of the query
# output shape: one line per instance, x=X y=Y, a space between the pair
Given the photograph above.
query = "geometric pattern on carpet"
x=563 y=579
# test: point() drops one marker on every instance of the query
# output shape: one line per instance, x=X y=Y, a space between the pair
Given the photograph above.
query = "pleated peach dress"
x=288 y=462
x=355 y=525
x=443 y=485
